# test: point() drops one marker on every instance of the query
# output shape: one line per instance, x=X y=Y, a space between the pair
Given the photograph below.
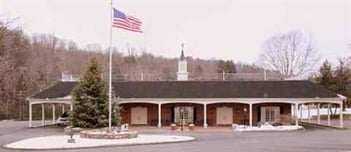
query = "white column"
x=329 y=114
x=296 y=119
x=223 y=75
x=63 y=108
x=301 y=111
x=71 y=107
x=250 y=114
x=30 y=114
x=309 y=113
x=53 y=114
x=42 y=114
x=159 y=125
x=341 y=115
x=318 y=115
x=205 y=115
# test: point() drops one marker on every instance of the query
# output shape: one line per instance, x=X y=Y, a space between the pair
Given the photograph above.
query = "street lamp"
x=182 y=118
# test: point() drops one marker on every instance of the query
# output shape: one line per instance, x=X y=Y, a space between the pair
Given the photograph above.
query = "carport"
x=43 y=102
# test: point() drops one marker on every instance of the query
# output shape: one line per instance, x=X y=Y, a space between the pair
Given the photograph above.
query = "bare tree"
x=292 y=54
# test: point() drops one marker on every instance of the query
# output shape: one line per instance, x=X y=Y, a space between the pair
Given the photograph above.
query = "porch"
x=221 y=112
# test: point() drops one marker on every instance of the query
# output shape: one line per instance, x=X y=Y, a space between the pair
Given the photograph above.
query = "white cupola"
x=182 y=74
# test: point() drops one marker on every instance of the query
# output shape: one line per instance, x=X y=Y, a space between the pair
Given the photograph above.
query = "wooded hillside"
x=29 y=64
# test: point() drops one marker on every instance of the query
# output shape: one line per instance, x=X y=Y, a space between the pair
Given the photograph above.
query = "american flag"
x=123 y=21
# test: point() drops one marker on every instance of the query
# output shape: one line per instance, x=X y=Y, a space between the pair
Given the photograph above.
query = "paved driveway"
x=215 y=139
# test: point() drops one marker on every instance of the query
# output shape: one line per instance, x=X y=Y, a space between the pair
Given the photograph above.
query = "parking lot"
x=211 y=139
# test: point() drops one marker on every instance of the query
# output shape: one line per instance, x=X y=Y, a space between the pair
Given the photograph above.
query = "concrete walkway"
x=60 y=142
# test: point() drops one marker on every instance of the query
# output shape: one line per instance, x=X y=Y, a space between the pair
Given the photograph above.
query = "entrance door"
x=224 y=115
x=185 y=114
x=139 y=116
x=270 y=114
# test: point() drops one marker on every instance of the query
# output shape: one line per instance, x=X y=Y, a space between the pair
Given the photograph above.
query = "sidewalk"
x=60 y=142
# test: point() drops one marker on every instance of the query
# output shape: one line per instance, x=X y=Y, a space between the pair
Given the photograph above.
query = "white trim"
x=336 y=100
x=250 y=114
x=42 y=114
x=296 y=119
x=42 y=101
x=159 y=124
x=205 y=116
x=53 y=113
x=328 y=115
x=318 y=114
x=30 y=115
x=341 y=96
x=230 y=100
x=341 y=116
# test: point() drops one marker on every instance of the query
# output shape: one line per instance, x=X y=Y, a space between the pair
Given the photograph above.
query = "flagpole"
x=110 y=73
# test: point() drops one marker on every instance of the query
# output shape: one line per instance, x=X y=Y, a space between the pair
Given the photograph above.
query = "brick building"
x=204 y=103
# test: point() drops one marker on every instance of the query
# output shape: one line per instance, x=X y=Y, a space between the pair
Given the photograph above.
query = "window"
x=270 y=114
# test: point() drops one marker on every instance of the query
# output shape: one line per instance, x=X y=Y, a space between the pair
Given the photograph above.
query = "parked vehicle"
x=63 y=120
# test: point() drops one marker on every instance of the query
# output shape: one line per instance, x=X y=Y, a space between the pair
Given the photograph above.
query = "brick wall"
x=152 y=112
x=239 y=114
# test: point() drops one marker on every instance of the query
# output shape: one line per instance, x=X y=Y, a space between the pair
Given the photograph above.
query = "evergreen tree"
x=343 y=81
x=117 y=113
x=325 y=77
x=342 y=78
x=338 y=80
x=90 y=99
x=198 y=72
x=226 y=66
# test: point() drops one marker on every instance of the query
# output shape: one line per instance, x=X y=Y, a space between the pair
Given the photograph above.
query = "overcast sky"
x=226 y=29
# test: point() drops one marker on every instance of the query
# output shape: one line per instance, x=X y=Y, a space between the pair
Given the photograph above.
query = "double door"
x=184 y=115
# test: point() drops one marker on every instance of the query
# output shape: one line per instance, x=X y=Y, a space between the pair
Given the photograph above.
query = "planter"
x=191 y=126
x=105 y=134
x=173 y=127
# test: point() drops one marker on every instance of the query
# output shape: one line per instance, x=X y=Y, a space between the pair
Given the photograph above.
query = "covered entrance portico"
x=318 y=116
x=43 y=102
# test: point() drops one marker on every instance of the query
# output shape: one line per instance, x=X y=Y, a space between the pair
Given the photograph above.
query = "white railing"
x=192 y=76
x=69 y=77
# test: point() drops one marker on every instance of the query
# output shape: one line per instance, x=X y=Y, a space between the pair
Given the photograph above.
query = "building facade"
x=203 y=103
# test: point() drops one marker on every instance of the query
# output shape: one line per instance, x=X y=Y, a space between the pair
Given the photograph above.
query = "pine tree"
x=338 y=80
x=117 y=113
x=325 y=77
x=226 y=66
x=343 y=81
x=342 y=77
x=90 y=99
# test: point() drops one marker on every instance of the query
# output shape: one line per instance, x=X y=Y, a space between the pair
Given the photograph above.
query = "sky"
x=220 y=29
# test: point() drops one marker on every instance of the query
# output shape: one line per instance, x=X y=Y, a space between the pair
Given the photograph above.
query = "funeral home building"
x=203 y=103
